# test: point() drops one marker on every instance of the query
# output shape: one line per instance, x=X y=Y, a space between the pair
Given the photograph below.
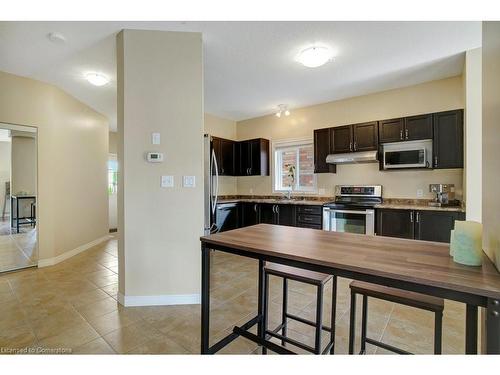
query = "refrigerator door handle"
x=215 y=194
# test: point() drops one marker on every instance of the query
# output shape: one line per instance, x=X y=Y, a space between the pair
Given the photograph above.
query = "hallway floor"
x=71 y=308
x=17 y=250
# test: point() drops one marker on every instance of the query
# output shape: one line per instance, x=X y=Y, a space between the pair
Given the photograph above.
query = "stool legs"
x=364 y=322
x=319 y=319
x=352 y=322
x=438 y=334
x=284 y=309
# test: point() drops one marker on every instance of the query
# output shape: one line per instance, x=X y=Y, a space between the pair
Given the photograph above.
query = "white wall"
x=160 y=89
x=473 y=135
x=4 y=173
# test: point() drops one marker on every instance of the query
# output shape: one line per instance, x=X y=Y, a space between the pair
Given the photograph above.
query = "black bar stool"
x=417 y=300
x=308 y=277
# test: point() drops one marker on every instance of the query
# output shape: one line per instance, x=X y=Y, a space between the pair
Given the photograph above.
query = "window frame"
x=290 y=143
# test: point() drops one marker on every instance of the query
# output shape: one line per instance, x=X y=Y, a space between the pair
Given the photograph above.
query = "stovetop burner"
x=365 y=196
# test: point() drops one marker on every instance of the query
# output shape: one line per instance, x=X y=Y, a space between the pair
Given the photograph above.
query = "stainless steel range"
x=353 y=210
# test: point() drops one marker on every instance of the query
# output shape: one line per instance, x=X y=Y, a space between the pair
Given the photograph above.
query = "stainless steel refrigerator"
x=211 y=185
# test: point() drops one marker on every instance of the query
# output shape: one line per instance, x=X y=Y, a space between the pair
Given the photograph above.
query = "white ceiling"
x=249 y=66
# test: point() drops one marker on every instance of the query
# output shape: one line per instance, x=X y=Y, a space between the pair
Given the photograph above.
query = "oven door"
x=351 y=221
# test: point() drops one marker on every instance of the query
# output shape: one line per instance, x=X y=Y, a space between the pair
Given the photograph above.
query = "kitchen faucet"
x=288 y=194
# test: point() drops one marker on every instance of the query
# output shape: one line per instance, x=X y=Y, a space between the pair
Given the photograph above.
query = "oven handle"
x=364 y=212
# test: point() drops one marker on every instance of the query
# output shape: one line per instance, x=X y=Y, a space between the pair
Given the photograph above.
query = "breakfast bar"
x=416 y=266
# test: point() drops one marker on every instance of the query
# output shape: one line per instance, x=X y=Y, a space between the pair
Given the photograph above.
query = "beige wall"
x=223 y=128
x=23 y=159
x=4 y=173
x=160 y=88
x=473 y=134
x=113 y=139
x=423 y=98
x=72 y=155
x=491 y=139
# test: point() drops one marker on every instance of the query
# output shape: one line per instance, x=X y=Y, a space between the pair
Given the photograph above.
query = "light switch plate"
x=420 y=193
x=167 y=181
x=155 y=138
x=189 y=181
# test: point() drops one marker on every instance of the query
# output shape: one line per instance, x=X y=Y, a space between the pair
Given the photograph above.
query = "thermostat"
x=155 y=157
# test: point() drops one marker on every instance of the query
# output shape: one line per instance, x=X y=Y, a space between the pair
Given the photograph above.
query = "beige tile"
x=98 y=308
x=97 y=346
x=159 y=345
x=56 y=323
x=15 y=337
x=73 y=337
x=114 y=320
x=87 y=298
x=127 y=338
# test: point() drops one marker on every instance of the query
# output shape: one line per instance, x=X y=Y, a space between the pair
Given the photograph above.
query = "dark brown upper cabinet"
x=448 y=144
x=391 y=130
x=253 y=156
x=418 y=127
x=357 y=137
x=224 y=154
x=323 y=147
x=342 y=139
x=365 y=136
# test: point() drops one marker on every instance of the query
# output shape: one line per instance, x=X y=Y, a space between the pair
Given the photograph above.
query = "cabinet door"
x=391 y=130
x=365 y=136
x=418 y=127
x=395 y=223
x=227 y=217
x=323 y=147
x=435 y=225
x=342 y=139
x=227 y=157
x=267 y=213
x=249 y=214
x=244 y=158
x=448 y=143
x=285 y=214
x=216 y=146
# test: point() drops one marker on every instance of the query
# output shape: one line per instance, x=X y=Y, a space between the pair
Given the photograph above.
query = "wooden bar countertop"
x=421 y=262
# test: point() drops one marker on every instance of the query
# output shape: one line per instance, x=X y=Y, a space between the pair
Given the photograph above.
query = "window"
x=112 y=176
x=294 y=166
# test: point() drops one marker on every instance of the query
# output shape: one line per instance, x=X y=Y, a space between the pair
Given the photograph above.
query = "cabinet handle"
x=307 y=219
x=435 y=161
x=350 y=146
x=411 y=216
x=401 y=134
x=277 y=209
x=222 y=171
x=417 y=217
x=406 y=133
x=355 y=146
x=255 y=207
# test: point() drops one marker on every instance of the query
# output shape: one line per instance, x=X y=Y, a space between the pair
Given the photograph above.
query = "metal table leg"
x=205 y=299
x=261 y=304
x=17 y=215
x=493 y=326
x=471 y=330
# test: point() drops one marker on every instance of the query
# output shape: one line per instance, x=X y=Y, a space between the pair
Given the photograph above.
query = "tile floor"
x=71 y=308
x=17 y=250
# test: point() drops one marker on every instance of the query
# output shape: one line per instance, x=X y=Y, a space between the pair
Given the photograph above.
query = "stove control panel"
x=358 y=191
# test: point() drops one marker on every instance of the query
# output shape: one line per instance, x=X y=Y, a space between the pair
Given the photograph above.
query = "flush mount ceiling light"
x=282 y=110
x=96 y=79
x=56 y=38
x=315 y=56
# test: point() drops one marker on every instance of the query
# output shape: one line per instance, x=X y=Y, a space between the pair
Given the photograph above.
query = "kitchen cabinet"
x=309 y=216
x=253 y=157
x=280 y=214
x=448 y=143
x=227 y=216
x=365 y=136
x=225 y=156
x=391 y=130
x=322 y=148
x=249 y=214
x=353 y=138
x=424 y=225
x=395 y=223
x=267 y=214
x=418 y=127
x=435 y=225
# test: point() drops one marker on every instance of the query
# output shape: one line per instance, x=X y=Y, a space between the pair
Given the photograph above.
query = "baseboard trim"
x=71 y=253
x=159 y=300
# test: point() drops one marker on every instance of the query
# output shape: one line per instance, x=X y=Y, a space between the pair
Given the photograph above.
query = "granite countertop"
x=397 y=204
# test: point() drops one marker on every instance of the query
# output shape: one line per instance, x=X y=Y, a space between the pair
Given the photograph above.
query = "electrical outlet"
x=322 y=191
x=251 y=191
x=420 y=193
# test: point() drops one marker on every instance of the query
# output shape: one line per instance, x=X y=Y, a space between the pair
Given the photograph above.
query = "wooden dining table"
x=418 y=266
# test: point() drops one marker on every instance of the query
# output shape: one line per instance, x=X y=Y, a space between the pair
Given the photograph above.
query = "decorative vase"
x=452 y=242
x=467 y=246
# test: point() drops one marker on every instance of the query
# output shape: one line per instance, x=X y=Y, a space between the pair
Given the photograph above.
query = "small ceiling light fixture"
x=56 y=38
x=282 y=110
x=315 y=56
x=97 y=79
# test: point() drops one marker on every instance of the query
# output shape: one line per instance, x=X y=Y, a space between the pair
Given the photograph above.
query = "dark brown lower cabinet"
x=249 y=214
x=424 y=225
x=280 y=214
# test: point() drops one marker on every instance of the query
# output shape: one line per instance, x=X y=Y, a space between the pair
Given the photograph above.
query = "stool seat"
x=297 y=274
x=403 y=297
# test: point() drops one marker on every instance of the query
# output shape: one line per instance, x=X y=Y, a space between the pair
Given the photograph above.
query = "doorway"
x=18 y=197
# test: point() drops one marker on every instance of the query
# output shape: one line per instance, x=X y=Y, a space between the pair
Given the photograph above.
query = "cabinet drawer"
x=311 y=226
x=310 y=210
x=309 y=219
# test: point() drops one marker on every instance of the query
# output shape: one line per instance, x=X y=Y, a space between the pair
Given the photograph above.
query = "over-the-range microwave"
x=409 y=154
